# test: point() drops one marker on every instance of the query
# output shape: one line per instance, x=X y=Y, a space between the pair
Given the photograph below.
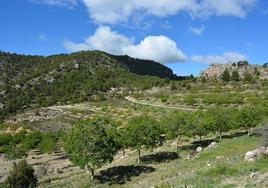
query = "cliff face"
x=215 y=71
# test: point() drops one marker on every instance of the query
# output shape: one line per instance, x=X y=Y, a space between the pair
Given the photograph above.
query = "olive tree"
x=90 y=145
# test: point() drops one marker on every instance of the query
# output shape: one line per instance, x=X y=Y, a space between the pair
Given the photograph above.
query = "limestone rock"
x=212 y=145
x=199 y=149
x=253 y=155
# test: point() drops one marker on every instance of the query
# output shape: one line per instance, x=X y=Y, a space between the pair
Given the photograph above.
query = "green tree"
x=21 y=176
x=122 y=140
x=199 y=124
x=235 y=76
x=249 y=117
x=225 y=76
x=222 y=120
x=144 y=132
x=174 y=126
x=90 y=145
x=248 y=77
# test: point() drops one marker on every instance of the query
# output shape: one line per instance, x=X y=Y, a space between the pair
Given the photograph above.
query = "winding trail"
x=131 y=99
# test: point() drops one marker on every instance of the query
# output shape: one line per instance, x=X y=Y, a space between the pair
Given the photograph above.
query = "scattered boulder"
x=76 y=66
x=199 y=149
x=253 y=155
x=212 y=145
x=250 y=156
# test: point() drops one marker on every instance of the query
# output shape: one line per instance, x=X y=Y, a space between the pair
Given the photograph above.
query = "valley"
x=203 y=126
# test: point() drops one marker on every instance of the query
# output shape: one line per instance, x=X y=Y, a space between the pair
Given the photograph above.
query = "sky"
x=185 y=35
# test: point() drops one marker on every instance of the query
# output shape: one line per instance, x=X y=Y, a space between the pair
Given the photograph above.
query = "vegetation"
x=226 y=76
x=235 y=76
x=90 y=146
x=21 y=176
x=17 y=145
x=73 y=78
x=143 y=132
x=185 y=114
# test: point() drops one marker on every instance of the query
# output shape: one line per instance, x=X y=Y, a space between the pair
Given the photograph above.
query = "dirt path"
x=131 y=99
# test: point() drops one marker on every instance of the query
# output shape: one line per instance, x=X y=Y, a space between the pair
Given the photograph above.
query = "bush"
x=164 y=100
x=21 y=176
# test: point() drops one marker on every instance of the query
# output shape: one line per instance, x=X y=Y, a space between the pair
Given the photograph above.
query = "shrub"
x=21 y=176
x=48 y=142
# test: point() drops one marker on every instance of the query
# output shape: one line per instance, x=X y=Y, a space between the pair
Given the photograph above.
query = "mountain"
x=215 y=71
x=27 y=81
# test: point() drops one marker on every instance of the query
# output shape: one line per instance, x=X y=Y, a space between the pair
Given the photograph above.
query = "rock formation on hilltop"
x=215 y=71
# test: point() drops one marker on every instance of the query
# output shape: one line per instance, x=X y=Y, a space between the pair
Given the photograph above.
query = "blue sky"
x=186 y=36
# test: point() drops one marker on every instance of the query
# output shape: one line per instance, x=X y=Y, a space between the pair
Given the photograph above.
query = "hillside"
x=243 y=68
x=27 y=81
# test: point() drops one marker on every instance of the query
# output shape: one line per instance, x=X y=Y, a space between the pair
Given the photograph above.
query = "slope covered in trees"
x=42 y=81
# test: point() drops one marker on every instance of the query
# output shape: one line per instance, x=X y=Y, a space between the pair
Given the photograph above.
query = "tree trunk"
x=249 y=130
x=92 y=174
x=139 y=151
x=177 y=144
x=124 y=153
x=220 y=134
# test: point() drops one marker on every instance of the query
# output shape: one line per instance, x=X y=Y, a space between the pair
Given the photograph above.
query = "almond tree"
x=143 y=132
x=174 y=126
x=90 y=145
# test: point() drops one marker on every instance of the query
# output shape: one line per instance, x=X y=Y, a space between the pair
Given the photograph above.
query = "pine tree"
x=226 y=76
x=235 y=76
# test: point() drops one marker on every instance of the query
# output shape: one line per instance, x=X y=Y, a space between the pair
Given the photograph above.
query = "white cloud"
x=197 y=30
x=115 y=11
x=157 y=48
x=65 y=3
x=226 y=57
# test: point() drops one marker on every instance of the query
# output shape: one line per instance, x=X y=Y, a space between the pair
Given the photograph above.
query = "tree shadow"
x=234 y=135
x=195 y=144
x=121 y=174
x=159 y=157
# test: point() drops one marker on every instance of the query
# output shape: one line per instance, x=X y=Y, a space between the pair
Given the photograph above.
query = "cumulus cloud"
x=115 y=11
x=226 y=57
x=157 y=48
x=197 y=30
x=65 y=3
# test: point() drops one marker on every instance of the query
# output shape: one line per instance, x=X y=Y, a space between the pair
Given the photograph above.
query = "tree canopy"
x=90 y=145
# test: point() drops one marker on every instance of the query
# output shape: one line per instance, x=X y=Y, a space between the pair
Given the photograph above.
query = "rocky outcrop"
x=215 y=71
x=253 y=155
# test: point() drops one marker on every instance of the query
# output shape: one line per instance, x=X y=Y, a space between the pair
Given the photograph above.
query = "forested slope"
x=27 y=81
